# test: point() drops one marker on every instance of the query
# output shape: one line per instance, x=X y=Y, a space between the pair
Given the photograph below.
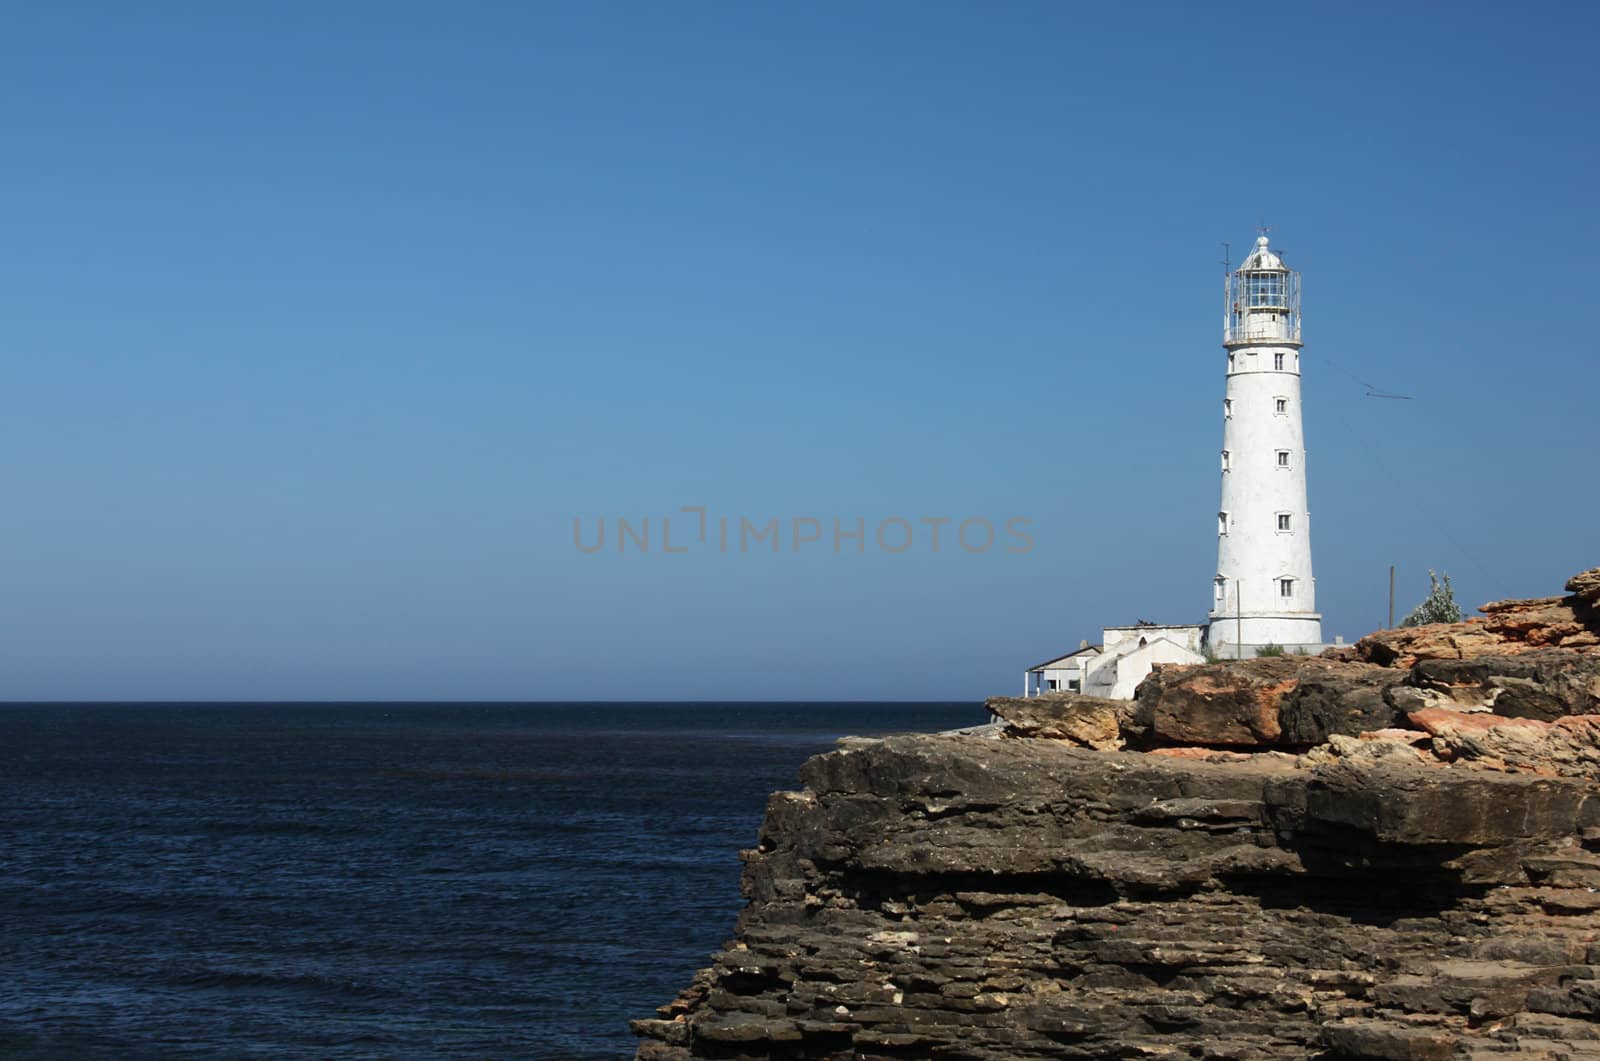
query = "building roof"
x=1084 y=651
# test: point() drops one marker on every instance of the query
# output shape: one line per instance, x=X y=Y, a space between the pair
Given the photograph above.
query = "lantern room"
x=1262 y=300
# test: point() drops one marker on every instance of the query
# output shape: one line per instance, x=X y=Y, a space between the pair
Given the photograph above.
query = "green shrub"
x=1439 y=607
x=1269 y=650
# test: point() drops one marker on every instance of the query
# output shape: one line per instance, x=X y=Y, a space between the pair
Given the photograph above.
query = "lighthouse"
x=1263 y=592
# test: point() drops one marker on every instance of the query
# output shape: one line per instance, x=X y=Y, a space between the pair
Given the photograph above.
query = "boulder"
x=1274 y=701
x=1337 y=698
x=1233 y=703
x=1085 y=721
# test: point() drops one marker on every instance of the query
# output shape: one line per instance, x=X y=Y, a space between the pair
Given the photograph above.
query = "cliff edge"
x=1392 y=852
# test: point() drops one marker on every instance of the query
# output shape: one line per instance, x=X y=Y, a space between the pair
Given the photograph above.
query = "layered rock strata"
x=1275 y=858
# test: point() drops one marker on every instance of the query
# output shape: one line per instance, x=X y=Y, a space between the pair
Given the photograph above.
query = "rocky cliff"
x=1391 y=853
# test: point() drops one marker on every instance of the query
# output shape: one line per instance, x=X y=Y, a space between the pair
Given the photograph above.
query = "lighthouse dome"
x=1262 y=259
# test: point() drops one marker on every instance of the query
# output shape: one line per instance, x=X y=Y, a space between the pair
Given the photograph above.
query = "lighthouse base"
x=1244 y=636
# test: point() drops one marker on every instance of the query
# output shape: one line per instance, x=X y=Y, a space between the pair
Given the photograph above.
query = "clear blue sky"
x=322 y=322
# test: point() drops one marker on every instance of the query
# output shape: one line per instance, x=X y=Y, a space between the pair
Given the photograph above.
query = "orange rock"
x=1235 y=702
x=1585 y=585
x=1443 y=722
x=1405 y=646
x=1581 y=726
x=1514 y=605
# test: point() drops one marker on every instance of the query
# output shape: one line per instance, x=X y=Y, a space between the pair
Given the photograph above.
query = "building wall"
x=1118 y=673
x=1189 y=635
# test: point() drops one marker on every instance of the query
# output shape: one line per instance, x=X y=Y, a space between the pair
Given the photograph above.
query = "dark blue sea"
x=379 y=880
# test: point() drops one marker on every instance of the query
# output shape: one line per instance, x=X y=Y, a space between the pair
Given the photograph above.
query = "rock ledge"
x=1389 y=855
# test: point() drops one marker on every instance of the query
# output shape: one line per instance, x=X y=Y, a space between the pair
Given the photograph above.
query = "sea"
x=380 y=880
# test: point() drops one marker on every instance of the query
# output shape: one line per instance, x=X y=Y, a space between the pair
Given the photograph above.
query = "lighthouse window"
x=1280 y=405
x=1222 y=523
x=1227 y=407
x=1277 y=362
x=1283 y=521
x=1283 y=458
x=1264 y=290
x=1225 y=461
x=1285 y=587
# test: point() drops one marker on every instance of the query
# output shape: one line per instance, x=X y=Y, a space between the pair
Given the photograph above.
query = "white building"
x=1263 y=591
x=1115 y=667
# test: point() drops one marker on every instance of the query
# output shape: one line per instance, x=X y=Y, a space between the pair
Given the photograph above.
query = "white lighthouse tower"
x=1264 y=592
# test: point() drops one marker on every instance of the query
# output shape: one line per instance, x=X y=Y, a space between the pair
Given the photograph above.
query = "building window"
x=1280 y=406
x=1222 y=590
x=1225 y=461
x=1286 y=587
x=1277 y=362
x=1283 y=522
x=1227 y=408
x=1230 y=362
x=1283 y=458
x=1222 y=523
